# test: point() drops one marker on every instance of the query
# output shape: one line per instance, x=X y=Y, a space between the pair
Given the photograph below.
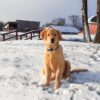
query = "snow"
x=1 y=32
x=75 y=37
x=20 y=72
x=14 y=33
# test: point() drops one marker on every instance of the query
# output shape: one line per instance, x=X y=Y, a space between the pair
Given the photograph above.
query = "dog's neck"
x=52 y=48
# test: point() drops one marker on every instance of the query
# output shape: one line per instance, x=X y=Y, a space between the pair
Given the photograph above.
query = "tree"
x=59 y=21
x=56 y=21
x=97 y=37
x=46 y=25
x=86 y=31
x=1 y=25
x=75 y=21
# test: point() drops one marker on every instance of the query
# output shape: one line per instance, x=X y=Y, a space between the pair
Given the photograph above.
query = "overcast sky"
x=41 y=10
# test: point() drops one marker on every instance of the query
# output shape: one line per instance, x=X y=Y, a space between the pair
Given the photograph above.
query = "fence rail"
x=32 y=34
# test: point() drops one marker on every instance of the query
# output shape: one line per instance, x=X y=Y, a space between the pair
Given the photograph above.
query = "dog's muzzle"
x=52 y=40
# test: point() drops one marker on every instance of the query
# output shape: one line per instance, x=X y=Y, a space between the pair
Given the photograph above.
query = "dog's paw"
x=57 y=85
x=69 y=79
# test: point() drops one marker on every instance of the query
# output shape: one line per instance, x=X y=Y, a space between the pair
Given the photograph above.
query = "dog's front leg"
x=58 y=78
x=47 y=76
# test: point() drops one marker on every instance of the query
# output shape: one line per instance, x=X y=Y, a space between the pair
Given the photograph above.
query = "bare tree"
x=75 y=21
x=56 y=21
x=97 y=37
x=59 y=21
x=86 y=31
x=47 y=24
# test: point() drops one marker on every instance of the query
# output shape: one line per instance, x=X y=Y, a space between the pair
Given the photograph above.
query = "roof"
x=14 y=24
x=92 y=19
x=28 y=24
x=66 y=29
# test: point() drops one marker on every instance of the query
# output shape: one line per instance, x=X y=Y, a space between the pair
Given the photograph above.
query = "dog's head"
x=51 y=36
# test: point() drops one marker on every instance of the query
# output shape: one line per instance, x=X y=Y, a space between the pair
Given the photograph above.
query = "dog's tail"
x=78 y=70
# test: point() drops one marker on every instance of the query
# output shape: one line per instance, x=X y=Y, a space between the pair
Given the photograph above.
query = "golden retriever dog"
x=55 y=66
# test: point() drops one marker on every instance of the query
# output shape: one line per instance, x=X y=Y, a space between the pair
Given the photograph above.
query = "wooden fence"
x=32 y=34
x=17 y=34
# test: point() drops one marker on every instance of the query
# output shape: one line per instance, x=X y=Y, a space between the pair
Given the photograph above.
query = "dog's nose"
x=52 y=40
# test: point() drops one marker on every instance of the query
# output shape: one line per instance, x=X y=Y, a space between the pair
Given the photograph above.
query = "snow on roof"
x=66 y=29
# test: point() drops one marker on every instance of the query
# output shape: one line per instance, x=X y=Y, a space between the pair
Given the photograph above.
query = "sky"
x=42 y=10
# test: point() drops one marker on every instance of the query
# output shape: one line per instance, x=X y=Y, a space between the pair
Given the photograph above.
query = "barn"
x=93 y=24
x=21 y=25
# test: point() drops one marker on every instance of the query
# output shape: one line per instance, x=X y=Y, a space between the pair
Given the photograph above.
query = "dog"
x=55 y=66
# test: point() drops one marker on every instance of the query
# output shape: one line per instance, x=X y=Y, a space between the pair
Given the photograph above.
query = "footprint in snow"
x=95 y=57
x=35 y=84
x=50 y=89
x=5 y=60
x=98 y=92
x=91 y=88
x=17 y=66
x=17 y=60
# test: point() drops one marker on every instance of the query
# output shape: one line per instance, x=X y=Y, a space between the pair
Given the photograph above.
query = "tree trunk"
x=97 y=37
x=86 y=31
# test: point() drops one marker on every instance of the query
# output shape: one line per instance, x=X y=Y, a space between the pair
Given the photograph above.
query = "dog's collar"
x=52 y=49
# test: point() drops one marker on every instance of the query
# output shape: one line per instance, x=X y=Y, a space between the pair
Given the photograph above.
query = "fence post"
x=31 y=36
x=16 y=35
x=3 y=37
x=20 y=37
x=39 y=34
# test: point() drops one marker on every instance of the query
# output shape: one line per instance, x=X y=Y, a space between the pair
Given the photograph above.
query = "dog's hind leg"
x=67 y=70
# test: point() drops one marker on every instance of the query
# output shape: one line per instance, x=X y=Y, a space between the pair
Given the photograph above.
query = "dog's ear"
x=43 y=34
x=59 y=35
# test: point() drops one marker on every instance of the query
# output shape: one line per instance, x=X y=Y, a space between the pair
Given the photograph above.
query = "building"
x=21 y=25
x=93 y=24
x=66 y=29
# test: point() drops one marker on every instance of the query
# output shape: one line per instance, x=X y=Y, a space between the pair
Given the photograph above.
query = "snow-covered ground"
x=20 y=72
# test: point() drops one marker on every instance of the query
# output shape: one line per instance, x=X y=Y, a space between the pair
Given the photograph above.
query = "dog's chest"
x=53 y=59
x=52 y=56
